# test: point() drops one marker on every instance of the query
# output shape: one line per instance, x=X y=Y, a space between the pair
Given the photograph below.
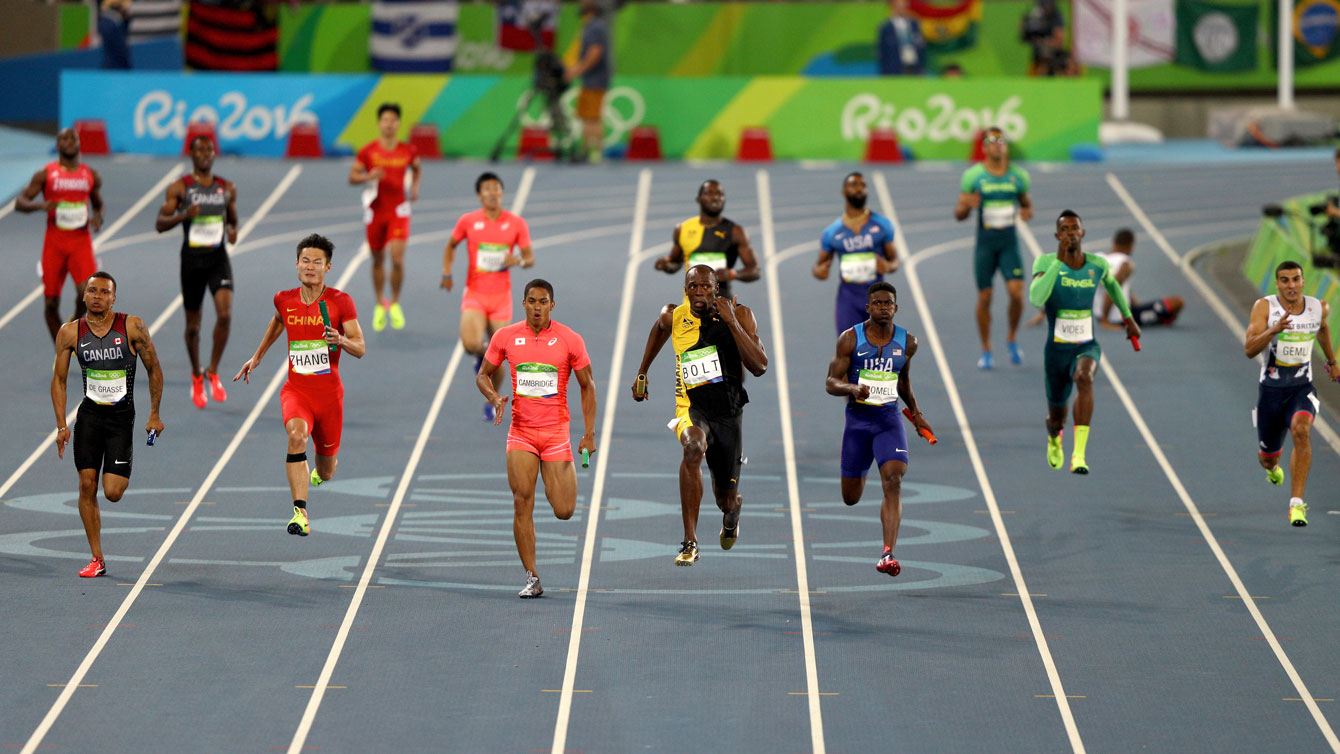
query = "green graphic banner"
x=807 y=118
x=1293 y=237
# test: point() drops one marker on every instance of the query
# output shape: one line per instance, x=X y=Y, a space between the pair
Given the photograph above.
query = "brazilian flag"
x=1316 y=31
x=1216 y=37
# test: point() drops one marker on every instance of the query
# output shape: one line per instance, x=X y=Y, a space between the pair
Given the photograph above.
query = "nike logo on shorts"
x=118 y=461
x=900 y=450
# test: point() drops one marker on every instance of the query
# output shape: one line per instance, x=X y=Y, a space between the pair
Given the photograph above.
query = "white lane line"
x=770 y=254
x=988 y=494
x=1212 y=298
x=102 y=238
x=247 y=227
x=9 y=207
x=635 y=258
x=356 y=601
x=147 y=574
x=153 y=329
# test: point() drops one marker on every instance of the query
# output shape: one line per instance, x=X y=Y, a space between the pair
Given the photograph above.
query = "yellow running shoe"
x=1275 y=476
x=316 y=479
x=397 y=316
x=379 y=318
x=1298 y=514
x=1077 y=464
x=688 y=554
x=1055 y=455
x=298 y=524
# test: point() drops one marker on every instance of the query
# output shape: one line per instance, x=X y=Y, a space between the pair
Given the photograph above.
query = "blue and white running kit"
x=874 y=430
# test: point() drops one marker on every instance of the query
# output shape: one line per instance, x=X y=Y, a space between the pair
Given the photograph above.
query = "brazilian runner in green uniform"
x=1064 y=284
x=999 y=192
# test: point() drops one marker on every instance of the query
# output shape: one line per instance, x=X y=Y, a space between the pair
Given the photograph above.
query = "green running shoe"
x=1055 y=455
x=379 y=318
x=1298 y=514
x=298 y=524
x=1276 y=476
x=1077 y=465
x=397 y=316
x=316 y=479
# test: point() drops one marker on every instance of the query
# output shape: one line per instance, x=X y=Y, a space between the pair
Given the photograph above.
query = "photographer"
x=595 y=68
x=1333 y=201
x=1043 y=28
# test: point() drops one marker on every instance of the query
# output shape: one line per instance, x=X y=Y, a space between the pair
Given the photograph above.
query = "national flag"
x=413 y=36
x=948 y=28
x=515 y=19
x=1316 y=31
x=1216 y=37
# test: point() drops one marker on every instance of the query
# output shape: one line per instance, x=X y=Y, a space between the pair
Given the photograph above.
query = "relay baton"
x=586 y=458
x=640 y=386
x=153 y=435
x=1135 y=342
x=325 y=318
x=926 y=433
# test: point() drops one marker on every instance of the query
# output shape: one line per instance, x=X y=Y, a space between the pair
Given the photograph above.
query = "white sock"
x=1295 y=501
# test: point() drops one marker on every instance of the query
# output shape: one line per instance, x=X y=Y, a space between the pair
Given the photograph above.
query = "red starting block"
x=644 y=144
x=883 y=146
x=197 y=129
x=92 y=135
x=978 y=148
x=304 y=140
x=424 y=138
x=534 y=144
x=755 y=145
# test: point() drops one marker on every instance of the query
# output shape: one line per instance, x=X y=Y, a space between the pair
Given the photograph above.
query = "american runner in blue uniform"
x=861 y=242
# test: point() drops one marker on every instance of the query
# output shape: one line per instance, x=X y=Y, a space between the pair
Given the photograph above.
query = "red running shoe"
x=95 y=568
x=216 y=392
x=887 y=564
x=198 y=390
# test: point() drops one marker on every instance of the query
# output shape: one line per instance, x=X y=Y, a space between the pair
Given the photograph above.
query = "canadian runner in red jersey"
x=380 y=167
x=491 y=234
x=205 y=205
x=69 y=190
x=106 y=345
x=541 y=354
x=312 y=399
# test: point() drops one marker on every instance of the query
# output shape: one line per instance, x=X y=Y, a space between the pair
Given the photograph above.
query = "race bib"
x=536 y=380
x=883 y=386
x=71 y=215
x=858 y=268
x=700 y=367
x=369 y=196
x=1294 y=349
x=206 y=230
x=489 y=256
x=714 y=259
x=105 y=387
x=1073 y=326
x=997 y=215
x=402 y=209
x=309 y=356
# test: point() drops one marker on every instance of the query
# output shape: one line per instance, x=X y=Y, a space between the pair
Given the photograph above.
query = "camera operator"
x=595 y=68
x=1043 y=28
x=1331 y=209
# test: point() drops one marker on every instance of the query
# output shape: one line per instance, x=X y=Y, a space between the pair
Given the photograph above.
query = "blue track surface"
x=1132 y=617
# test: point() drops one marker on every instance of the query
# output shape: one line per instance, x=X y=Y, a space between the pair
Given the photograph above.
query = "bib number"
x=1294 y=349
x=536 y=380
x=489 y=257
x=402 y=209
x=309 y=356
x=105 y=387
x=206 y=231
x=714 y=259
x=883 y=387
x=700 y=367
x=71 y=215
x=369 y=196
x=1073 y=326
x=996 y=216
x=858 y=268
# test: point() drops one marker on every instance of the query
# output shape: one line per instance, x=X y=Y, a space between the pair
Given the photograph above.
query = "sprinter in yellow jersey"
x=715 y=340
x=712 y=240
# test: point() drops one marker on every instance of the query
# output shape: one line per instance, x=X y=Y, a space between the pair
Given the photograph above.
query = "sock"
x=1295 y=501
x=1081 y=439
x=300 y=504
x=888 y=550
x=1057 y=439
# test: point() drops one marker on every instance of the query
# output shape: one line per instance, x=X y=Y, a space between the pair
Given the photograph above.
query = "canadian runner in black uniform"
x=712 y=240
x=107 y=345
x=715 y=340
x=205 y=205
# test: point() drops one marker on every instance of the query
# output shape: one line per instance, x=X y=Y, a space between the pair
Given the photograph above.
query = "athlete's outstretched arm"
x=905 y=387
x=351 y=341
x=588 y=386
x=1025 y=207
x=1044 y=280
x=890 y=262
x=825 y=260
x=66 y=338
x=416 y=171
x=837 y=383
x=745 y=331
x=750 y=271
x=95 y=201
x=142 y=345
x=27 y=201
x=448 y=257
x=230 y=214
x=1115 y=295
x=1324 y=335
x=484 y=381
x=672 y=262
x=168 y=215
x=359 y=173
x=967 y=202
x=1258 y=334
x=272 y=333
x=660 y=333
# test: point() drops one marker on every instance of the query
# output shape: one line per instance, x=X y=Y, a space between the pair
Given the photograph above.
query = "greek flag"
x=413 y=36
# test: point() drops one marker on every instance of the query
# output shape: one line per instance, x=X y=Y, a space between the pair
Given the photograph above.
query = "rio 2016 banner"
x=697 y=118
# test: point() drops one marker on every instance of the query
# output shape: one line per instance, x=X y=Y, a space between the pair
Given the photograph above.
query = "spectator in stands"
x=595 y=68
x=1043 y=28
x=902 y=48
x=114 y=30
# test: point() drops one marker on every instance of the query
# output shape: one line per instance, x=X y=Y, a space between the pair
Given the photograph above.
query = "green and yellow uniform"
x=713 y=245
x=997 y=242
x=1067 y=295
x=709 y=389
